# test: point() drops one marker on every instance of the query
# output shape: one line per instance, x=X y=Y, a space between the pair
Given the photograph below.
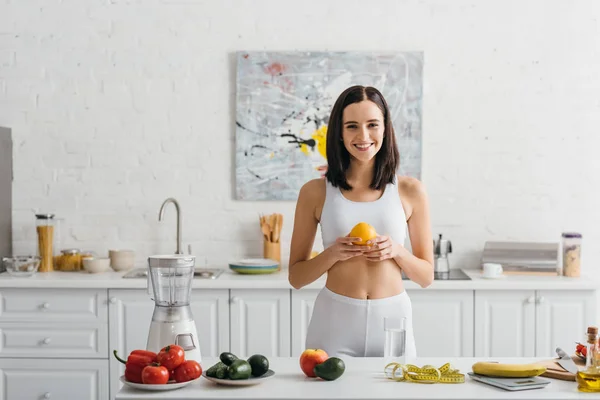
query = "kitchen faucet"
x=178 y=209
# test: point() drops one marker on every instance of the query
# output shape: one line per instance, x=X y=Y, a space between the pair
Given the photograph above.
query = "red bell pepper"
x=135 y=364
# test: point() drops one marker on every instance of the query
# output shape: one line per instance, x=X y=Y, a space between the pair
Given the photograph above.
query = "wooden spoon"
x=276 y=229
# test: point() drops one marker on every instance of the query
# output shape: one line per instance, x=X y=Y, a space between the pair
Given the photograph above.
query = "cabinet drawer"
x=53 y=340
x=35 y=379
x=53 y=305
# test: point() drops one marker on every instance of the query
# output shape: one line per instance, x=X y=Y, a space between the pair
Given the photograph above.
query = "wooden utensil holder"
x=272 y=250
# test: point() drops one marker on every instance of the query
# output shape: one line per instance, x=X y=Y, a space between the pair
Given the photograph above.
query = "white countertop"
x=363 y=379
x=279 y=280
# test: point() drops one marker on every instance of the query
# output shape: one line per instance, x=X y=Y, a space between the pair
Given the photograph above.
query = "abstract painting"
x=283 y=102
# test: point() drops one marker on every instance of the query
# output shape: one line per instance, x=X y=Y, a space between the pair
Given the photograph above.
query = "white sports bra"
x=385 y=214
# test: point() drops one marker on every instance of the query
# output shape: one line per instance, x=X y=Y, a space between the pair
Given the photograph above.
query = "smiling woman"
x=364 y=282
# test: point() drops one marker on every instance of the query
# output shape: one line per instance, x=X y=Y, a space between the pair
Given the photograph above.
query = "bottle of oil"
x=588 y=379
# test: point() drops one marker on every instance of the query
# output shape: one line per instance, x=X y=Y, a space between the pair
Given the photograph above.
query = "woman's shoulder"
x=314 y=189
x=410 y=187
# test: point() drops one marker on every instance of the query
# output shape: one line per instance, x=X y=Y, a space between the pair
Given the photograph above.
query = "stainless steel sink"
x=201 y=273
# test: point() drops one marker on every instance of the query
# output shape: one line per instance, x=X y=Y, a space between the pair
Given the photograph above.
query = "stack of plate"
x=255 y=266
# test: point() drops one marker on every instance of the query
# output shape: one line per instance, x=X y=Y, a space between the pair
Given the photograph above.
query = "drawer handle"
x=47 y=395
x=113 y=300
x=540 y=300
x=531 y=300
x=45 y=306
x=46 y=340
x=235 y=300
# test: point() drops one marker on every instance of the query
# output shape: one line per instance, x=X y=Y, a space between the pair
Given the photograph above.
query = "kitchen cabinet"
x=562 y=318
x=443 y=322
x=130 y=314
x=53 y=379
x=302 y=308
x=53 y=344
x=505 y=323
x=530 y=323
x=210 y=308
x=260 y=322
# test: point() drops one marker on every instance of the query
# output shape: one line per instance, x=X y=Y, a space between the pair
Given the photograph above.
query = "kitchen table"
x=363 y=379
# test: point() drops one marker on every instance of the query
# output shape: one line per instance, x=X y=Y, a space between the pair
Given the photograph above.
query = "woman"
x=364 y=283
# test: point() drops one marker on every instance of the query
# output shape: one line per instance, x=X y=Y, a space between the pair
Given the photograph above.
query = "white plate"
x=256 y=262
x=241 y=382
x=157 y=388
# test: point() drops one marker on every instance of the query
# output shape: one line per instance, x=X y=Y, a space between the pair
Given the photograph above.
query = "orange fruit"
x=363 y=231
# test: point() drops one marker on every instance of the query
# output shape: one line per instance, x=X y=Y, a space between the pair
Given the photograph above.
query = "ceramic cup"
x=491 y=270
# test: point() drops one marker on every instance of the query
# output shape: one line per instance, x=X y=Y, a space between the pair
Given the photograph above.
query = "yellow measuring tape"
x=425 y=374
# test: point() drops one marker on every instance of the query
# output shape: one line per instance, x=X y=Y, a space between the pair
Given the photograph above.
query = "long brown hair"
x=338 y=158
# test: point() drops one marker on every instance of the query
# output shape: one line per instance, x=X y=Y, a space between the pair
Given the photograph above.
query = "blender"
x=172 y=320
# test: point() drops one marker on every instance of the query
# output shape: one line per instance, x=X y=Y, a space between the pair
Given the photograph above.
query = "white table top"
x=363 y=379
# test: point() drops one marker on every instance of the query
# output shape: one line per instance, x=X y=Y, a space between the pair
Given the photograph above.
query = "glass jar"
x=45 y=224
x=571 y=254
x=70 y=260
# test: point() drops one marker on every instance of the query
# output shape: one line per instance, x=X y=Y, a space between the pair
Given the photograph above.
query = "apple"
x=310 y=358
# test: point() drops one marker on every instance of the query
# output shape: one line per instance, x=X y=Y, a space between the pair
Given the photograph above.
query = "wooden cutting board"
x=555 y=371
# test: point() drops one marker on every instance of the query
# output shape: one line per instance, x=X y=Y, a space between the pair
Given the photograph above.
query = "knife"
x=566 y=362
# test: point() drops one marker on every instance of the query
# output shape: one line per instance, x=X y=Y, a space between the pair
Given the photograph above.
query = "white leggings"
x=352 y=327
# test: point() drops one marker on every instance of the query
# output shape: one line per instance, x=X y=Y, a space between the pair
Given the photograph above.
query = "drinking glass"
x=395 y=339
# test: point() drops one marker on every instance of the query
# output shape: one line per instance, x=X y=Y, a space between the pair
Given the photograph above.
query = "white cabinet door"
x=504 y=323
x=129 y=316
x=210 y=308
x=260 y=322
x=562 y=318
x=53 y=379
x=443 y=322
x=302 y=308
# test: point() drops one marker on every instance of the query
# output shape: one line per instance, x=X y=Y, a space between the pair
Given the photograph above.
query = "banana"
x=508 y=370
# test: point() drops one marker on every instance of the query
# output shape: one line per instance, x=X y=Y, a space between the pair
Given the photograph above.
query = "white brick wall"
x=117 y=105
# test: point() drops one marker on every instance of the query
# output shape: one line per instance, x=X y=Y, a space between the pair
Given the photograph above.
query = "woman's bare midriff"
x=362 y=279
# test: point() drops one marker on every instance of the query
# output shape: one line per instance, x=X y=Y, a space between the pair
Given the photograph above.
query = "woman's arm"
x=303 y=270
x=417 y=266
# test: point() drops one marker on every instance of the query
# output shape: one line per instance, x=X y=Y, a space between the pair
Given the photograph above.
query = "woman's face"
x=362 y=130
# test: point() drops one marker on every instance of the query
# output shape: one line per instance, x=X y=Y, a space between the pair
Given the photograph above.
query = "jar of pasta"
x=70 y=260
x=45 y=226
x=571 y=254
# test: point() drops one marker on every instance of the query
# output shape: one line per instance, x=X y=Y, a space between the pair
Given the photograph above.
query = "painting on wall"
x=283 y=103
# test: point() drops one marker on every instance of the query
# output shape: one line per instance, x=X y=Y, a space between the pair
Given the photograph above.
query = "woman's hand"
x=343 y=249
x=382 y=248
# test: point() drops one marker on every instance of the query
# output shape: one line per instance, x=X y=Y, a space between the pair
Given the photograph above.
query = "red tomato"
x=188 y=371
x=172 y=375
x=171 y=356
x=155 y=375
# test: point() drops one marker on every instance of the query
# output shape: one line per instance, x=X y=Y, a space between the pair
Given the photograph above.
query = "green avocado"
x=330 y=369
x=227 y=358
x=239 y=369
x=219 y=370
x=259 y=364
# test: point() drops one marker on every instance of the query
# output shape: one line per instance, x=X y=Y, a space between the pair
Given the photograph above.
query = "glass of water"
x=395 y=339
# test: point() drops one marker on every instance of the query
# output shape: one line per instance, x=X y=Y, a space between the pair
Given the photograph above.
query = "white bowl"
x=95 y=265
x=121 y=260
